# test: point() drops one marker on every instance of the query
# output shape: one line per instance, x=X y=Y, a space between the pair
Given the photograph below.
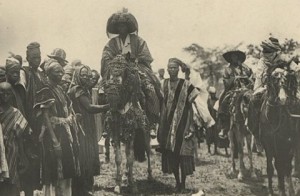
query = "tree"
x=209 y=62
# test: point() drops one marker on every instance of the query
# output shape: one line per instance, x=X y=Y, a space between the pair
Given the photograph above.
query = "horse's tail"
x=139 y=146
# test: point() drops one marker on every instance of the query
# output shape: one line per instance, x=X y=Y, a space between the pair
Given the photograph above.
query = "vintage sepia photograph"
x=150 y=97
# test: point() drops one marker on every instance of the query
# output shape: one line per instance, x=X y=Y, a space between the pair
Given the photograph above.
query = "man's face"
x=34 y=59
x=94 y=79
x=173 y=69
x=13 y=75
x=56 y=74
x=161 y=73
x=85 y=77
x=65 y=85
x=5 y=93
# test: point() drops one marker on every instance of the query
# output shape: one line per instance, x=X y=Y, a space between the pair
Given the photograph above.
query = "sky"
x=79 y=26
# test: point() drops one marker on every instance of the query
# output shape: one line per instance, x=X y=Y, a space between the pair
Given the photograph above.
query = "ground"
x=212 y=176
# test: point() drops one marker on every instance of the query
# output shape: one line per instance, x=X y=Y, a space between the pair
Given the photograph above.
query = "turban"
x=11 y=64
x=176 y=61
x=271 y=45
x=49 y=64
x=33 y=48
x=69 y=70
x=76 y=62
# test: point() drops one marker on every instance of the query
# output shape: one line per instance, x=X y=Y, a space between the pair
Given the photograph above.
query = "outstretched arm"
x=90 y=108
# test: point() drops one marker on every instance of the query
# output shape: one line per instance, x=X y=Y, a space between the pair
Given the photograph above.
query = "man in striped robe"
x=14 y=127
x=175 y=133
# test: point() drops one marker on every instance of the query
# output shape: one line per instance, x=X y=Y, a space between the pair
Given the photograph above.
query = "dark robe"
x=57 y=103
x=176 y=122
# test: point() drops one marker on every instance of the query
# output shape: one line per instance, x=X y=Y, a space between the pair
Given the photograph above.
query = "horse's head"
x=120 y=82
x=282 y=86
x=114 y=80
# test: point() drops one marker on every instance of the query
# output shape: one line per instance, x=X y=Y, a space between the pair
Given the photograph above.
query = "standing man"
x=13 y=69
x=13 y=127
x=175 y=131
x=30 y=180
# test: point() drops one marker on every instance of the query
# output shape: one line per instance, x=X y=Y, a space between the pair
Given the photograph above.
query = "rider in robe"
x=271 y=59
x=235 y=69
x=129 y=43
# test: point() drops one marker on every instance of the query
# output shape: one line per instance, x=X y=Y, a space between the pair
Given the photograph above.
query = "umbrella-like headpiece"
x=121 y=17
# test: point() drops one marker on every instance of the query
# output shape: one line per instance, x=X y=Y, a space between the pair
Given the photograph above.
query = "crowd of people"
x=48 y=135
x=48 y=132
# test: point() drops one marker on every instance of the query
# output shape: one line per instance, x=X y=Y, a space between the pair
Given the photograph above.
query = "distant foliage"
x=210 y=63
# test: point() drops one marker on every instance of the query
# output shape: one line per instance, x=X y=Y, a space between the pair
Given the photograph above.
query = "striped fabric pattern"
x=13 y=125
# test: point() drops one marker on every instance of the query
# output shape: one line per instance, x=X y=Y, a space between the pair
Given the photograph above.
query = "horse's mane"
x=126 y=91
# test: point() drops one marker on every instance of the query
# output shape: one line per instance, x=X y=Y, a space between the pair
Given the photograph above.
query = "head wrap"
x=77 y=80
x=49 y=64
x=176 y=61
x=271 y=45
x=12 y=63
x=33 y=48
x=69 y=70
x=76 y=62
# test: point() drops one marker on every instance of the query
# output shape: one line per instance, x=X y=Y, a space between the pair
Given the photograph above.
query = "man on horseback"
x=125 y=25
x=271 y=59
x=236 y=75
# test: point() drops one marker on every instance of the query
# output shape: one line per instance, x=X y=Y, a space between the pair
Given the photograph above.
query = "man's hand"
x=188 y=136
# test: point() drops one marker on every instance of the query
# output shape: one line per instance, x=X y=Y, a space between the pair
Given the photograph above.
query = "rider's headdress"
x=271 y=45
x=121 y=17
x=241 y=56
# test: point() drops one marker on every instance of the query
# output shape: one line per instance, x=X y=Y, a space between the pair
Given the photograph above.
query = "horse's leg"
x=107 y=149
x=279 y=165
x=249 y=150
x=288 y=173
x=129 y=164
x=215 y=139
x=232 y=147
x=118 y=160
x=226 y=151
x=240 y=141
x=208 y=148
x=270 y=172
x=148 y=152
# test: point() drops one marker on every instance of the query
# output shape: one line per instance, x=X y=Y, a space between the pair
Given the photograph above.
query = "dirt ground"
x=212 y=176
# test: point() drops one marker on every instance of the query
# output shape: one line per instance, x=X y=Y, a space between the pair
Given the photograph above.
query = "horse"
x=126 y=120
x=238 y=131
x=277 y=127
